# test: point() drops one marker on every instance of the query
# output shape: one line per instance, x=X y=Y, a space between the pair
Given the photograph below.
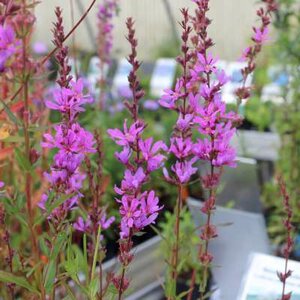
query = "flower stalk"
x=140 y=157
x=288 y=248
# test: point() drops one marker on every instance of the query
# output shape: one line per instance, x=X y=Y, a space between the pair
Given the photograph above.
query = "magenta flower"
x=130 y=210
x=208 y=116
x=138 y=213
x=129 y=136
x=140 y=156
x=205 y=64
x=70 y=100
x=260 y=35
x=82 y=225
x=124 y=155
x=222 y=78
x=106 y=223
x=246 y=54
x=74 y=139
x=220 y=153
x=150 y=208
x=150 y=153
x=87 y=225
x=8 y=45
x=180 y=147
x=106 y=11
x=184 y=123
x=206 y=92
x=170 y=97
x=133 y=180
x=184 y=170
x=2 y=184
x=72 y=142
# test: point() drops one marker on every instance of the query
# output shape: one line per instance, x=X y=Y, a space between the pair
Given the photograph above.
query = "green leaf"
x=50 y=276
x=60 y=240
x=51 y=268
x=93 y=287
x=10 y=114
x=57 y=203
x=112 y=289
x=33 y=269
x=183 y=294
x=140 y=233
x=69 y=291
x=23 y=161
x=19 y=281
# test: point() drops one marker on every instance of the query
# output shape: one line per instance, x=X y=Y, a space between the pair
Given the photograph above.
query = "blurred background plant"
x=286 y=56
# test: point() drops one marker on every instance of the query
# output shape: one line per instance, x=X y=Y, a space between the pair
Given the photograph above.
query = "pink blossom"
x=150 y=153
x=150 y=208
x=180 y=147
x=170 y=97
x=261 y=35
x=132 y=181
x=129 y=136
x=205 y=64
x=74 y=139
x=124 y=155
x=8 y=45
x=71 y=100
x=129 y=210
x=184 y=170
x=183 y=123
x=87 y=225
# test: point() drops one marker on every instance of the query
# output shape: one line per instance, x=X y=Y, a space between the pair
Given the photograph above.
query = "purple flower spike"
x=140 y=156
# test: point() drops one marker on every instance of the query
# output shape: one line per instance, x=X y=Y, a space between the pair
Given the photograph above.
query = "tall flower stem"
x=107 y=10
x=175 y=252
x=288 y=248
x=206 y=244
x=138 y=208
x=250 y=54
x=28 y=178
x=181 y=135
x=124 y=268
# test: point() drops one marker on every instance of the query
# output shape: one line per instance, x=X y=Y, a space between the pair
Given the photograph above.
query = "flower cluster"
x=259 y=37
x=9 y=45
x=215 y=125
x=87 y=225
x=138 y=209
x=71 y=141
x=70 y=101
x=211 y=118
x=106 y=11
x=140 y=157
x=182 y=101
x=197 y=99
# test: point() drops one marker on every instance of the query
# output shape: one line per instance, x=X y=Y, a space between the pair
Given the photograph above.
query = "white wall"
x=231 y=28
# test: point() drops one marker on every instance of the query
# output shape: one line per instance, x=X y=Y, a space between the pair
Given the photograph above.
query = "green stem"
x=96 y=253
